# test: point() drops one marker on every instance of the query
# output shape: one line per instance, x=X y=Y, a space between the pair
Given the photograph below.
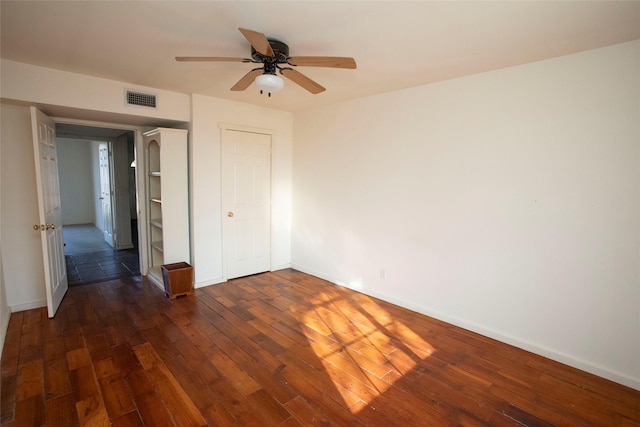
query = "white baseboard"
x=204 y=283
x=217 y=280
x=28 y=305
x=156 y=279
x=514 y=341
x=281 y=267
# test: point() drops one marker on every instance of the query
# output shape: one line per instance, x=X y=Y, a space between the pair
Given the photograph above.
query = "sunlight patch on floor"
x=362 y=347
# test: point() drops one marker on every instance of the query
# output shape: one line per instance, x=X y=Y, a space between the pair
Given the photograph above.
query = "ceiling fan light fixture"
x=269 y=83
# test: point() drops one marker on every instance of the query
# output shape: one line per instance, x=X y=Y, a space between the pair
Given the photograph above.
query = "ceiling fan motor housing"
x=280 y=55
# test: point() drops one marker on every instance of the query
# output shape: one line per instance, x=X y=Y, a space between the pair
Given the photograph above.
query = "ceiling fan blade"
x=302 y=80
x=248 y=78
x=210 y=59
x=258 y=41
x=323 y=61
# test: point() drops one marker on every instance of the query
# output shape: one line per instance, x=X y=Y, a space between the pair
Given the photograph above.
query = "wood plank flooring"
x=279 y=349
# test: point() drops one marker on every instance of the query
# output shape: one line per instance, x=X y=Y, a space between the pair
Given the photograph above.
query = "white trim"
x=155 y=280
x=208 y=282
x=141 y=205
x=159 y=129
x=28 y=305
x=280 y=267
x=514 y=341
x=244 y=128
x=141 y=194
x=98 y=124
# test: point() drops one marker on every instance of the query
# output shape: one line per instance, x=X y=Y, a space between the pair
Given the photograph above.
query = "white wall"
x=22 y=250
x=100 y=99
x=75 y=174
x=5 y=313
x=32 y=84
x=25 y=83
x=205 y=149
x=506 y=202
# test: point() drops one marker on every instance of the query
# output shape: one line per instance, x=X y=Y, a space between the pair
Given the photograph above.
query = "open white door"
x=49 y=211
x=246 y=202
x=106 y=193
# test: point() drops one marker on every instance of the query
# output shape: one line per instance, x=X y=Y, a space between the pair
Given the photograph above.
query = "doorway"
x=98 y=200
x=89 y=259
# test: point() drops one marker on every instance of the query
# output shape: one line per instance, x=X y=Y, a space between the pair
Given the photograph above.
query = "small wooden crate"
x=178 y=279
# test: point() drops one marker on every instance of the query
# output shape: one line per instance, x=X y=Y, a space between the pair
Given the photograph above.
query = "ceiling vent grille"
x=141 y=99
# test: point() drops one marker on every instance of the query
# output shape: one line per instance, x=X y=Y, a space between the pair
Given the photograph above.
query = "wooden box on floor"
x=178 y=279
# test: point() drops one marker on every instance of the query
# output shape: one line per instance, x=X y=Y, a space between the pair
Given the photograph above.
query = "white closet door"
x=246 y=202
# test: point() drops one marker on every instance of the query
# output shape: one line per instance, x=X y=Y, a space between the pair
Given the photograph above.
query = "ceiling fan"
x=274 y=57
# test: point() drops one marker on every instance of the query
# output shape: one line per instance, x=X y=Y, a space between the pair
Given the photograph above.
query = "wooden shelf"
x=155 y=174
x=156 y=222
x=158 y=245
x=155 y=200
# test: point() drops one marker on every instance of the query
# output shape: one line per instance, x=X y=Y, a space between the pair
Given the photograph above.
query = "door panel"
x=106 y=194
x=246 y=201
x=49 y=210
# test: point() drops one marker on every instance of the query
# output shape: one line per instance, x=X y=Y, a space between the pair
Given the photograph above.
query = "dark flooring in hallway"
x=90 y=259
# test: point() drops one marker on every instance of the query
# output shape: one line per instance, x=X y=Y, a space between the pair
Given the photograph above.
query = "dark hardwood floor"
x=279 y=349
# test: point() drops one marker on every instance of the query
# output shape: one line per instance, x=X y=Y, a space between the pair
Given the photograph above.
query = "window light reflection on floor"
x=360 y=357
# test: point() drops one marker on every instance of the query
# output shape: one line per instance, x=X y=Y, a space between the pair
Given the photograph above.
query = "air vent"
x=141 y=99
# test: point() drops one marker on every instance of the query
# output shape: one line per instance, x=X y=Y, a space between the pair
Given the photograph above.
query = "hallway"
x=90 y=259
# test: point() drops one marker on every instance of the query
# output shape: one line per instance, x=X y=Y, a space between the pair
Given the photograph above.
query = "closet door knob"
x=230 y=214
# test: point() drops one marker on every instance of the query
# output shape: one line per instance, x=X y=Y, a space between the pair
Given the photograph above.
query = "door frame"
x=139 y=174
x=250 y=129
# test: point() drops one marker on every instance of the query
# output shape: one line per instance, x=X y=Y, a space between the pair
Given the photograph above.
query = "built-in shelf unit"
x=167 y=199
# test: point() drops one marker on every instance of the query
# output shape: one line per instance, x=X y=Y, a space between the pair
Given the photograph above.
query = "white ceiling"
x=396 y=44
